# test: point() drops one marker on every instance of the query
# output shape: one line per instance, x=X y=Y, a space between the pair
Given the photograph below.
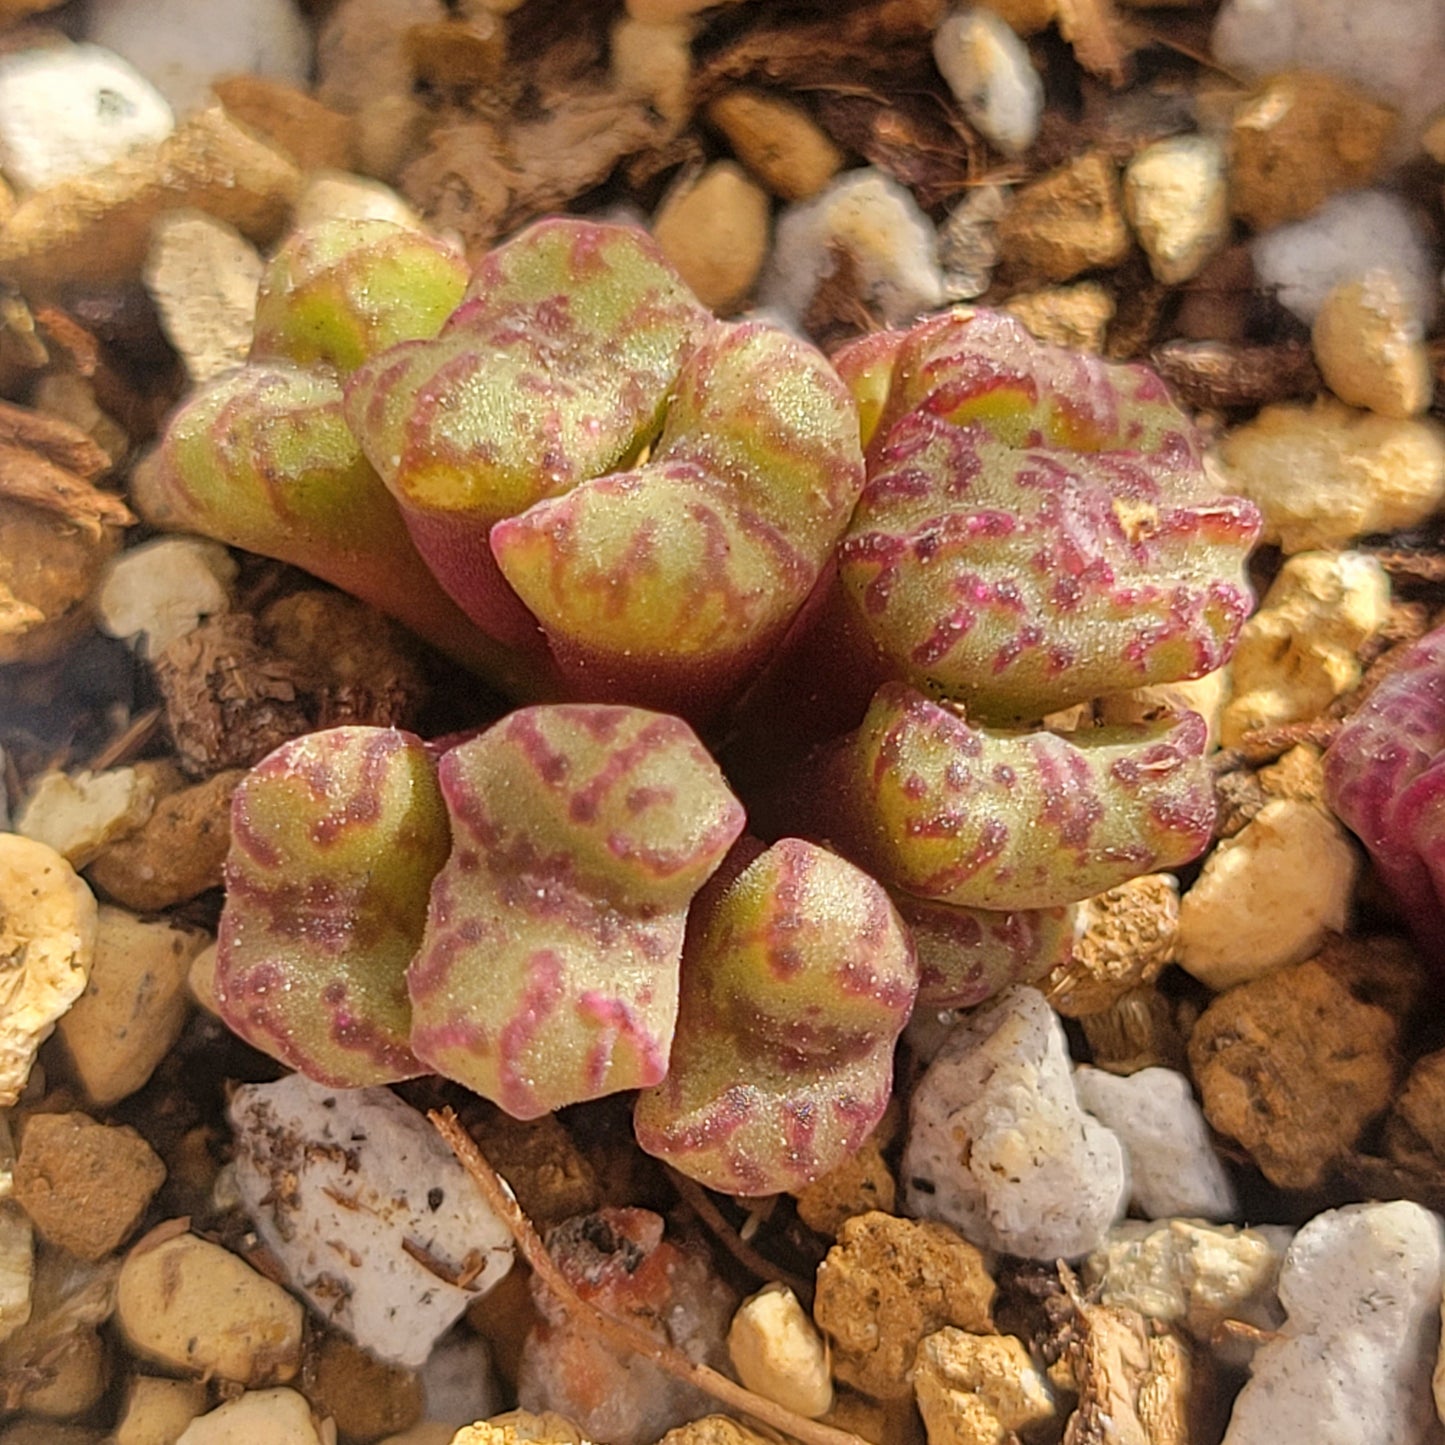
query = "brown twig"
x=697 y=1199
x=619 y=1334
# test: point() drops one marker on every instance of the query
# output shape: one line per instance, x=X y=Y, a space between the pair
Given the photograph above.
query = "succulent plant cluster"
x=636 y=519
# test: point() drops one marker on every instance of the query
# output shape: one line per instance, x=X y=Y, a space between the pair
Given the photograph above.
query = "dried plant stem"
x=697 y=1199
x=619 y=1333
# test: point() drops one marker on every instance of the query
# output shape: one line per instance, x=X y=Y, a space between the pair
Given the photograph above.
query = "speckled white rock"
x=989 y=71
x=1301 y=650
x=1177 y=200
x=181 y=46
x=1267 y=897
x=1193 y=1274
x=1173 y=1169
x=338 y=1181
x=155 y=593
x=65 y=110
x=1352 y=1363
x=878 y=223
x=998 y=1146
x=1348 y=236
x=1395 y=49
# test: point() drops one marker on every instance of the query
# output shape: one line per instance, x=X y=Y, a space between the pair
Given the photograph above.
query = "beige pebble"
x=1297 y=140
x=1300 y=650
x=313 y=135
x=189 y=1305
x=1267 y=897
x=1203 y=695
x=974 y=1389
x=1068 y=221
x=1177 y=201
x=518 y=1426
x=1370 y=347
x=157 y=1410
x=65 y=1377
x=778 y=141
x=277 y=1417
x=715 y=232
x=778 y=1352
x=655 y=62
x=134 y=1005
x=85 y=1185
x=77 y=814
x=99 y=225
x=339 y=195
x=1326 y=474
x=1074 y=316
x=202 y=275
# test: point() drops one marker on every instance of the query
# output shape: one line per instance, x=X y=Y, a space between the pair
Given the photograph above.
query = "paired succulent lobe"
x=548 y=972
x=797 y=979
x=335 y=840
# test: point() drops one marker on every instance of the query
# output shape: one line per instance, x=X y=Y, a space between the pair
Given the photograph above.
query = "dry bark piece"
x=886 y=1284
x=1218 y=374
x=85 y=1185
x=98 y=225
x=1293 y=1066
x=1137 y=1031
x=550 y=1176
x=229 y=699
x=1415 y=1128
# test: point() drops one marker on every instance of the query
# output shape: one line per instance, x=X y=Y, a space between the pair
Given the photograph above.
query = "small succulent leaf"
x=797 y=980
x=262 y=459
x=335 y=840
x=962 y=815
x=555 y=369
x=967 y=955
x=1038 y=527
x=668 y=584
x=1385 y=778
x=548 y=971
x=342 y=290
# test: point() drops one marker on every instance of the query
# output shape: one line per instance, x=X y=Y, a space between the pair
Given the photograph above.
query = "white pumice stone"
x=155 y=593
x=998 y=1146
x=351 y=1189
x=1349 y=235
x=71 y=109
x=988 y=69
x=879 y=225
x=1352 y=1364
x=181 y=46
x=1173 y=1169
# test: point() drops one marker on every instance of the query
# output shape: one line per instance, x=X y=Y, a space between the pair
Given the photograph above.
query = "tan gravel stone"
x=1070 y=220
x=279 y=1416
x=886 y=1284
x=1178 y=204
x=157 y=1410
x=1074 y=316
x=1370 y=347
x=85 y=1185
x=978 y=1389
x=365 y=1397
x=191 y=1306
x=1299 y=138
x=98 y=225
x=1326 y=474
x=715 y=232
x=1294 y=1066
x=861 y=1183
x=778 y=141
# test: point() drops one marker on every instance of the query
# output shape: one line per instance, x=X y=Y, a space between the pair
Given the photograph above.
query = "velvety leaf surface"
x=342 y=290
x=335 y=840
x=669 y=583
x=557 y=368
x=958 y=814
x=1385 y=778
x=262 y=459
x=1037 y=528
x=549 y=969
x=797 y=979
